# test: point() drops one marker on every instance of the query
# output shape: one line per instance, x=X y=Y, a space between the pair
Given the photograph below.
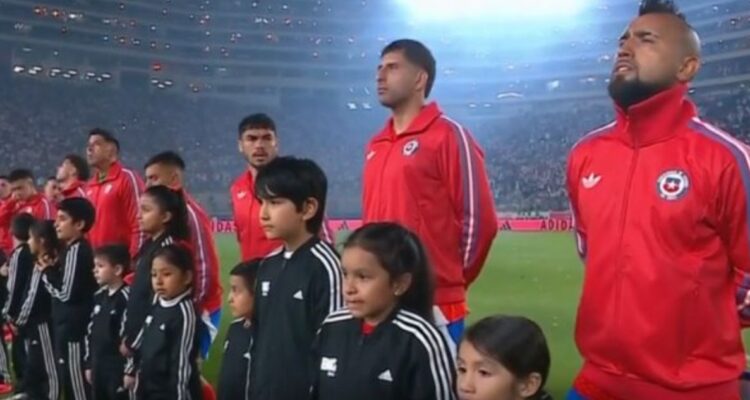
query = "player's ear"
x=310 y=208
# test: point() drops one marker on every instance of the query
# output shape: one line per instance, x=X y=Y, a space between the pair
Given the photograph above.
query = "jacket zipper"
x=623 y=222
x=381 y=188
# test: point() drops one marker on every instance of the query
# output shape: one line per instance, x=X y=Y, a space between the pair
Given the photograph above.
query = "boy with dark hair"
x=20 y=266
x=70 y=282
x=104 y=363
x=234 y=378
x=298 y=285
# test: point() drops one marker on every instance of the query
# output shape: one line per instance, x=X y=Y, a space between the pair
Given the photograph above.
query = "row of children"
x=308 y=325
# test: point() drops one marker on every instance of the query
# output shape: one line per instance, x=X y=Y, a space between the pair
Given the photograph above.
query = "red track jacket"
x=6 y=214
x=432 y=180
x=207 y=286
x=660 y=200
x=38 y=206
x=116 y=200
x=246 y=213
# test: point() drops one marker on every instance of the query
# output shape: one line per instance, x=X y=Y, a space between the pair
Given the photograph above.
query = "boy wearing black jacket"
x=104 y=363
x=297 y=286
x=5 y=377
x=70 y=282
x=20 y=267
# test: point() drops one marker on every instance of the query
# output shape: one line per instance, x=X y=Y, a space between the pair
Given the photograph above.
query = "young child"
x=103 y=361
x=235 y=365
x=384 y=345
x=163 y=219
x=20 y=267
x=70 y=281
x=40 y=372
x=297 y=286
x=503 y=358
x=167 y=360
x=5 y=377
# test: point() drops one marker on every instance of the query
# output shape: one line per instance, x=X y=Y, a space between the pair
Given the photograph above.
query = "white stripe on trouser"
x=49 y=361
x=74 y=369
x=441 y=323
x=4 y=366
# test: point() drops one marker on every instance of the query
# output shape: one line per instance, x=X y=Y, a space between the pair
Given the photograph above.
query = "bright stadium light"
x=460 y=11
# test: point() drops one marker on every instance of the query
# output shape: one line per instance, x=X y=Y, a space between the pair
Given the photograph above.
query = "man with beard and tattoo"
x=660 y=200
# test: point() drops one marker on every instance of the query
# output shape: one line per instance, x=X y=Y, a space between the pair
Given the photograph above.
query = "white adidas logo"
x=591 y=180
x=298 y=295
x=386 y=376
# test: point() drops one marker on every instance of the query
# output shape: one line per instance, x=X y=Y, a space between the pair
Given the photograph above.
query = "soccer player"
x=660 y=199
x=26 y=197
x=297 y=286
x=168 y=169
x=72 y=175
x=258 y=144
x=426 y=172
x=115 y=192
x=7 y=205
x=52 y=190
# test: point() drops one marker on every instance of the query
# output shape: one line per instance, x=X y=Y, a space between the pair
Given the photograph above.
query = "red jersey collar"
x=655 y=119
x=31 y=201
x=72 y=189
x=424 y=119
x=114 y=170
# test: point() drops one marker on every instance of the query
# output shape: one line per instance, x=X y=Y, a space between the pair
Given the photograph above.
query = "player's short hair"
x=256 y=121
x=20 y=226
x=79 y=209
x=81 y=166
x=169 y=158
x=107 y=136
x=417 y=54
x=115 y=254
x=660 y=7
x=295 y=179
x=20 y=174
x=248 y=271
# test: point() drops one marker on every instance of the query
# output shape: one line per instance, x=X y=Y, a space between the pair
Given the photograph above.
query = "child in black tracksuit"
x=104 y=364
x=40 y=372
x=167 y=359
x=298 y=286
x=234 y=378
x=20 y=267
x=5 y=376
x=70 y=282
x=164 y=221
x=384 y=345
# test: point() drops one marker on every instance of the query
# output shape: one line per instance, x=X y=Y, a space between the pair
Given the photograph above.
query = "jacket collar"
x=420 y=124
x=655 y=119
x=173 y=302
x=114 y=170
x=78 y=184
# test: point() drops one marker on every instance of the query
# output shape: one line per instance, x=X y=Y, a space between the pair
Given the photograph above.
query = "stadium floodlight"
x=442 y=10
x=106 y=75
x=19 y=69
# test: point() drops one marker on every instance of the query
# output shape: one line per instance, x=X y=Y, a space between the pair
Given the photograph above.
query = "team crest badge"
x=411 y=147
x=672 y=185
x=108 y=188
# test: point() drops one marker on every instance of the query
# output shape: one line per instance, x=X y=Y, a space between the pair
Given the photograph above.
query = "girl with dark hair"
x=168 y=357
x=503 y=358
x=383 y=345
x=163 y=219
